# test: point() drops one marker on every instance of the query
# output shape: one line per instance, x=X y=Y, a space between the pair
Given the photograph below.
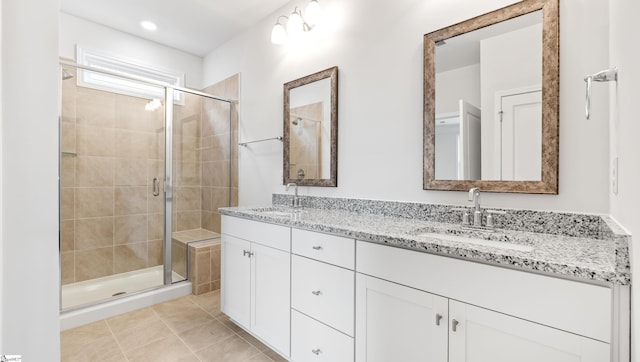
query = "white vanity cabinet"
x=416 y=306
x=322 y=297
x=255 y=280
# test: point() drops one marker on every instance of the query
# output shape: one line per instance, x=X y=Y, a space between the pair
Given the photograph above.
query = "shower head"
x=296 y=121
x=66 y=74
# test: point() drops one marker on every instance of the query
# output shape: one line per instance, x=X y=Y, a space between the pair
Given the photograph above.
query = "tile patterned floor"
x=191 y=328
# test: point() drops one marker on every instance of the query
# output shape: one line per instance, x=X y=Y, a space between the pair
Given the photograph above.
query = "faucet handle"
x=465 y=216
x=490 y=213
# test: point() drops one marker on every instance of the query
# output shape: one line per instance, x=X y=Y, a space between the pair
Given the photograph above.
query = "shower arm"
x=608 y=75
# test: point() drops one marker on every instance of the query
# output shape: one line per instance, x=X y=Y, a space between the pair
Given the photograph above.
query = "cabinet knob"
x=454 y=325
x=438 y=319
x=316 y=351
x=247 y=253
x=317 y=247
x=316 y=292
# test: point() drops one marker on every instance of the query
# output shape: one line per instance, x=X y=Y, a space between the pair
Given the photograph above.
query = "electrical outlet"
x=614 y=176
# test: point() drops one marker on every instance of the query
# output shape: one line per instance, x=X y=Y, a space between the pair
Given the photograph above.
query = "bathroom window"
x=123 y=85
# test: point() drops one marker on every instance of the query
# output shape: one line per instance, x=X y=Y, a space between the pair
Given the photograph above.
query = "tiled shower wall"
x=111 y=150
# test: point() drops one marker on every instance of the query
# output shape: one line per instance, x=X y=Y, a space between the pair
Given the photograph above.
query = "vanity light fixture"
x=297 y=24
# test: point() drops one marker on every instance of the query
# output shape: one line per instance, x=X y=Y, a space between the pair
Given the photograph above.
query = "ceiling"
x=193 y=26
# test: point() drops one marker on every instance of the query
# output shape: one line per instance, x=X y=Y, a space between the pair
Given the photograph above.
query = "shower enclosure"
x=135 y=171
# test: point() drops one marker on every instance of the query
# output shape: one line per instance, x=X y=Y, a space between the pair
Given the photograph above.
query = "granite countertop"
x=593 y=258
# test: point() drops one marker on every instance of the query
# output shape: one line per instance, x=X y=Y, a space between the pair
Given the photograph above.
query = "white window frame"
x=129 y=87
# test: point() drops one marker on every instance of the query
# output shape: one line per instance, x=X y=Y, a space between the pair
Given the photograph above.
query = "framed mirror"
x=491 y=101
x=310 y=131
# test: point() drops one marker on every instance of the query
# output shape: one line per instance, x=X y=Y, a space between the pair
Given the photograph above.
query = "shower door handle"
x=156 y=186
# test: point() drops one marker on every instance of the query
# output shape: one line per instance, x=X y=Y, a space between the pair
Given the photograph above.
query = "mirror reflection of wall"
x=310 y=131
x=498 y=71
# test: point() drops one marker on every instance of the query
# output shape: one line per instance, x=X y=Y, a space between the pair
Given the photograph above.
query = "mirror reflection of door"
x=521 y=136
x=305 y=158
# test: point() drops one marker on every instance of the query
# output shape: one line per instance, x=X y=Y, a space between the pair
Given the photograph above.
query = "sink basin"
x=477 y=241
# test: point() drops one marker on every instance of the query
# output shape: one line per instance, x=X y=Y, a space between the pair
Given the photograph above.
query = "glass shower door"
x=112 y=204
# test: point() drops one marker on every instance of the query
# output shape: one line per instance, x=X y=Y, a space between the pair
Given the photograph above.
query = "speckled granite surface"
x=586 y=247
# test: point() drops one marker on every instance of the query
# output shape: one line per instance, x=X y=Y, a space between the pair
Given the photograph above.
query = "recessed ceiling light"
x=148 y=25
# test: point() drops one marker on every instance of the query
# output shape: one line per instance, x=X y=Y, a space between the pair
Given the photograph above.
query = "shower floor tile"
x=191 y=328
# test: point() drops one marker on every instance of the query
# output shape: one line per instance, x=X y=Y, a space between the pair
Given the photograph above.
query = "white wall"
x=30 y=77
x=625 y=126
x=89 y=35
x=378 y=48
x=456 y=84
x=1 y=168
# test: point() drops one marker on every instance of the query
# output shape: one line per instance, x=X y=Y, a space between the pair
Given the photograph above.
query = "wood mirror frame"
x=550 y=99
x=332 y=181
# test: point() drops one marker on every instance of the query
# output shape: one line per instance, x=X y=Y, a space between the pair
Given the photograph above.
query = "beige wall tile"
x=155 y=227
x=217 y=222
x=130 y=229
x=220 y=173
x=130 y=172
x=67 y=199
x=95 y=107
x=188 y=220
x=202 y=288
x=67 y=265
x=67 y=235
x=220 y=198
x=207 y=221
x=95 y=263
x=130 y=257
x=155 y=144
x=94 y=233
x=94 y=171
x=94 y=202
x=179 y=258
x=155 y=251
x=203 y=266
x=130 y=200
x=131 y=144
x=187 y=174
x=68 y=137
x=131 y=114
x=215 y=263
x=207 y=199
x=94 y=141
x=187 y=198
x=68 y=171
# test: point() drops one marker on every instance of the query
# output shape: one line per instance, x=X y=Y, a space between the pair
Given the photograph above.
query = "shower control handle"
x=156 y=186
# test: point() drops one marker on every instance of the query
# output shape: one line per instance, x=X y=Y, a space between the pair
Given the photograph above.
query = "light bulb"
x=278 y=34
x=312 y=13
x=294 y=25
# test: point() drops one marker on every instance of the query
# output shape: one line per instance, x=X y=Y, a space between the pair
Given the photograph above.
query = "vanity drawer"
x=314 y=341
x=324 y=292
x=274 y=236
x=331 y=249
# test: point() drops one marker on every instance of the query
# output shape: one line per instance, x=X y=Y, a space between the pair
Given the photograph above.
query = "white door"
x=236 y=279
x=521 y=136
x=398 y=323
x=482 y=335
x=469 y=156
x=270 y=269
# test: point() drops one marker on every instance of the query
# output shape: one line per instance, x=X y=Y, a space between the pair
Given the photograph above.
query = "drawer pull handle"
x=454 y=325
x=316 y=292
x=317 y=247
x=247 y=253
x=316 y=351
x=438 y=319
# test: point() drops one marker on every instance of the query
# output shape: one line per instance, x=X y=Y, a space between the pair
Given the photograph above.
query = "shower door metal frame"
x=168 y=159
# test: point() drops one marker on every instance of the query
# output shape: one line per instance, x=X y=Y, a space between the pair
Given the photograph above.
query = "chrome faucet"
x=474 y=195
x=296 y=200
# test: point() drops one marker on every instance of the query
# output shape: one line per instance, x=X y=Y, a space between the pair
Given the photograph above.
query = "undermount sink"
x=477 y=241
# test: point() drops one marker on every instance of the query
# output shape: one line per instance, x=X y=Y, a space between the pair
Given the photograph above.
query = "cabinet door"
x=314 y=341
x=270 y=300
x=236 y=279
x=398 y=323
x=484 y=335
